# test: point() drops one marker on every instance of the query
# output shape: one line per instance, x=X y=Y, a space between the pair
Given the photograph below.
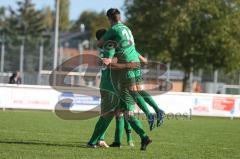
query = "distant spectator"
x=15 y=78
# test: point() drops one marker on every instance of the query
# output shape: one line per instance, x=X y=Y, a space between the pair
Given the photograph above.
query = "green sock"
x=102 y=137
x=100 y=128
x=128 y=130
x=148 y=98
x=137 y=126
x=119 y=129
x=140 y=102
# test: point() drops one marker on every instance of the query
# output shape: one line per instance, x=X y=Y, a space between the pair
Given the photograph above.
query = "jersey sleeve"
x=109 y=35
x=110 y=53
x=138 y=54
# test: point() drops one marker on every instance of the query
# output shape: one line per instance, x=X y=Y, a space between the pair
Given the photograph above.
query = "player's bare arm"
x=128 y=65
x=112 y=63
x=143 y=59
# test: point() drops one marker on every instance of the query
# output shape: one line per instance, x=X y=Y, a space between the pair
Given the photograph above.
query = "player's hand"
x=143 y=60
x=106 y=61
x=133 y=65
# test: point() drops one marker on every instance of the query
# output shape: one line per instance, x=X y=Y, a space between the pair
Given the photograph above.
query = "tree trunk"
x=185 y=80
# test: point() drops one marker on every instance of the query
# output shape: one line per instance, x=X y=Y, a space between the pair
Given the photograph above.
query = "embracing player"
x=109 y=99
x=126 y=52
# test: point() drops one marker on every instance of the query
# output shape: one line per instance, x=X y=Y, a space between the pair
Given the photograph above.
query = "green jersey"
x=126 y=51
x=106 y=83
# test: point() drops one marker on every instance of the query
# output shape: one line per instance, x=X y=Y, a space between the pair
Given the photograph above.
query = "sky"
x=76 y=6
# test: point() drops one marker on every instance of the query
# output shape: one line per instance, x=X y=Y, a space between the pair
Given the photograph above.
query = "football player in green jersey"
x=109 y=100
x=126 y=53
x=122 y=35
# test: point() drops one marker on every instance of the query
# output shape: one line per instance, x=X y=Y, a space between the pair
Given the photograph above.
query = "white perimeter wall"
x=46 y=98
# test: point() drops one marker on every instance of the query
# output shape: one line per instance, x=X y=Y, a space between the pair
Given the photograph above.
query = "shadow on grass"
x=44 y=143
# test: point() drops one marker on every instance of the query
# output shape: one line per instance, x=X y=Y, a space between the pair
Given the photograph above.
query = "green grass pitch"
x=33 y=135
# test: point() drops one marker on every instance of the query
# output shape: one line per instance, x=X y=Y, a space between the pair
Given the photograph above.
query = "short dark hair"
x=100 y=33
x=113 y=14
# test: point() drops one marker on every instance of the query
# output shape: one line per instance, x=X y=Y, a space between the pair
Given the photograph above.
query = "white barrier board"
x=46 y=98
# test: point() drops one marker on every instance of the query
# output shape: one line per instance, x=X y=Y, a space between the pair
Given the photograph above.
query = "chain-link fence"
x=34 y=61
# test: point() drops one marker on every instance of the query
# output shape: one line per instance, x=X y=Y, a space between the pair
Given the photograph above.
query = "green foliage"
x=195 y=34
x=48 y=18
x=64 y=15
x=24 y=26
x=190 y=34
x=92 y=21
x=25 y=22
x=2 y=20
x=4 y=25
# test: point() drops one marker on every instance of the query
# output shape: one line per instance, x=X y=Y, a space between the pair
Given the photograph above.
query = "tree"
x=64 y=15
x=2 y=20
x=48 y=19
x=25 y=27
x=189 y=34
x=26 y=21
x=92 y=21
x=4 y=29
x=223 y=40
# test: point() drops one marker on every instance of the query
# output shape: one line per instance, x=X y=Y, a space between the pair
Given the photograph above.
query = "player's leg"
x=118 y=130
x=128 y=131
x=107 y=105
x=138 y=79
x=101 y=140
x=138 y=128
x=130 y=82
x=121 y=124
x=142 y=104
x=100 y=128
x=115 y=75
x=134 y=122
x=148 y=98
